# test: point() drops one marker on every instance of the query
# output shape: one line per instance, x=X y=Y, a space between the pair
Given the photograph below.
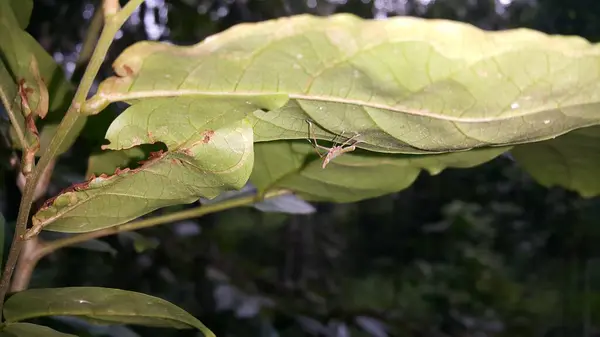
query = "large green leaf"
x=30 y=330
x=17 y=50
x=570 y=161
x=101 y=305
x=351 y=177
x=404 y=84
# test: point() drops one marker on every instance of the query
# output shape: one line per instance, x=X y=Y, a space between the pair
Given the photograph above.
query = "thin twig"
x=111 y=27
x=40 y=250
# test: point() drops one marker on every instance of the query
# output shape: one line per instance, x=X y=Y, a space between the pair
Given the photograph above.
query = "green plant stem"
x=51 y=246
x=91 y=39
x=112 y=25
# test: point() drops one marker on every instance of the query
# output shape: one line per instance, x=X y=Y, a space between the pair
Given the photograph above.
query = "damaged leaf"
x=208 y=153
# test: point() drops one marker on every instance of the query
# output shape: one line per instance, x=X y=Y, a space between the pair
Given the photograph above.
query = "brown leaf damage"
x=207 y=136
x=77 y=187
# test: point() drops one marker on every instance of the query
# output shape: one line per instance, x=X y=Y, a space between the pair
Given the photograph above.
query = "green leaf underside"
x=100 y=305
x=30 y=330
x=570 y=161
x=352 y=176
x=405 y=85
x=17 y=48
x=205 y=163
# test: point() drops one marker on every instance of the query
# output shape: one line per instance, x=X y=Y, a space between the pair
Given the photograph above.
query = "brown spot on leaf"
x=128 y=70
x=153 y=156
x=207 y=136
x=187 y=152
x=24 y=91
x=31 y=125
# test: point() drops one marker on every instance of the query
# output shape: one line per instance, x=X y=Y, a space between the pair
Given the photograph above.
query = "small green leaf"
x=101 y=305
x=30 y=330
x=570 y=161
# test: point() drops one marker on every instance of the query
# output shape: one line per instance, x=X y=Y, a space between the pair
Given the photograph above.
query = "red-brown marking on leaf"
x=187 y=152
x=151 y=138
x=207 y=136
x=23 y=92
x=30 y=123
x=128 y=70
x=73 y=188
x=153 y=156
x=118 y=171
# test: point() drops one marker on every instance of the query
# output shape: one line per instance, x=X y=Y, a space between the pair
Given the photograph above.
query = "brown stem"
x=27 y=262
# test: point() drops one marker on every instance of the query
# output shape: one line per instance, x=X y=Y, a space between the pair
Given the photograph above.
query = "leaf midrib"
x=106 y=99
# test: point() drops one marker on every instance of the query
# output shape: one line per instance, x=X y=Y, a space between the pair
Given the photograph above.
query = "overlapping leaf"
x=570 y=161
x=100 y=305
x=404 y=84
x=210 y=151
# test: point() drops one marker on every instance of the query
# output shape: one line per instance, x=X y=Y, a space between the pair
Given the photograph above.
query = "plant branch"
x=112 y=24
x=39 y=250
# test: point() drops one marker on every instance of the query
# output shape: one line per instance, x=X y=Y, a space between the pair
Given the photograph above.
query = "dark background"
x=478 y=252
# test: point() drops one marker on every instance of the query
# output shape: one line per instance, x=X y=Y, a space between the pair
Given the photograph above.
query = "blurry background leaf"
x=140 y=242
x=289 y=204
